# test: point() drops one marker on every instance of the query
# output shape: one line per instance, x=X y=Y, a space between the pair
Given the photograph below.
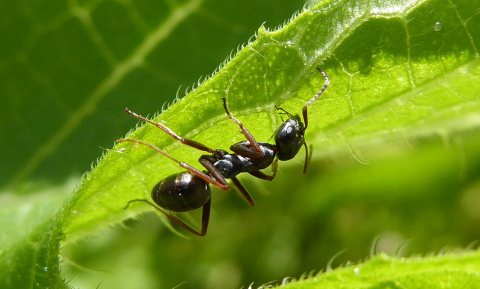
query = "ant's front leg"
x=263 y=176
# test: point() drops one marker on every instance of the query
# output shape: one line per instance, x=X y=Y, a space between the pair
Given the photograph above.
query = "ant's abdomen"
x=181 y=192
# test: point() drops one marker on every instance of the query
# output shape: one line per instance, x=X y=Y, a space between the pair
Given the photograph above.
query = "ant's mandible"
x=190 y=190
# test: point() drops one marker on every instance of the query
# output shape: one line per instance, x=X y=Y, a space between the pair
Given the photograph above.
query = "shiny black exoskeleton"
x=190 y=189
x=243 y=160
x=289 y=138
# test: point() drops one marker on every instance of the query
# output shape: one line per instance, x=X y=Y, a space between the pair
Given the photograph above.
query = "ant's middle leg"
x=171 y=133
x=245 y=132
x=243 y=192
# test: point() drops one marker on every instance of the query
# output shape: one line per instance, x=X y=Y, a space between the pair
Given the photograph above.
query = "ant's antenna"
x=319 y=93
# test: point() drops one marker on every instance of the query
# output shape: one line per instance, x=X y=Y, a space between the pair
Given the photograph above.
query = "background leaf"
x=404 y=99
x=71 y=67
x=360 y=107
x=67 y=68
x=30 y=239
x=387 y=272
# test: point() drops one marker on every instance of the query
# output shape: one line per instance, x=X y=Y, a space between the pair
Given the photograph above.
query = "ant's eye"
x=291 y=132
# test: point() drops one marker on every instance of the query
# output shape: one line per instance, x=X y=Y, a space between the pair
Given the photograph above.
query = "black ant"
x=189 y=190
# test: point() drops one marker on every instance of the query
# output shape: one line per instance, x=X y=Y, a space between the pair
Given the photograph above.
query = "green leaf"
x=67 y=69
x=404 y=203
x=395 y=75
x=400 y=71
x=382 y=271
x=30 y=239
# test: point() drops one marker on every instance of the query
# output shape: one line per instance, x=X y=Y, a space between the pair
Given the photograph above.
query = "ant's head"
x=289 y=138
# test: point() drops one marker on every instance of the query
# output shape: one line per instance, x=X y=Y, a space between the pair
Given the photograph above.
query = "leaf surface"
x=395 y=74
x=400 y=71
x=448 y=271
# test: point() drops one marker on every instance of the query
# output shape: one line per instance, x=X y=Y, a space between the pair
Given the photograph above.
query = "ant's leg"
x=180 y=222
x=194 y=171
x=206 y=162
x=243 y=192
x=171 y=133
x=283 y=111
x=244 y=130
x=317 y=95
x=263 y=176
x=245 y=150
x=205 y=217
x=307 y=157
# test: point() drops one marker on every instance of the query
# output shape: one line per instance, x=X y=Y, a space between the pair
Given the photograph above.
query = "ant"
x=190 y=190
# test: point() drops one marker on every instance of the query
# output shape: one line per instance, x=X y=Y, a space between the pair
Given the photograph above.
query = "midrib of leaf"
x=118 y=73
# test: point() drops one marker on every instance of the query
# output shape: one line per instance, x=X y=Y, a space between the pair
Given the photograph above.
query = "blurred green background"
x=418 y=202
x=62 y=105
x=59 y=74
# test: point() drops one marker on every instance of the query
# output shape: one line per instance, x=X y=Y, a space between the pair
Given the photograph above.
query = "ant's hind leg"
x=180 y=222
x=171 y=133
x=222 y=184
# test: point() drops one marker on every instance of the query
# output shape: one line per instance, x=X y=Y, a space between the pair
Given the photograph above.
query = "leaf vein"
x=117 y=74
